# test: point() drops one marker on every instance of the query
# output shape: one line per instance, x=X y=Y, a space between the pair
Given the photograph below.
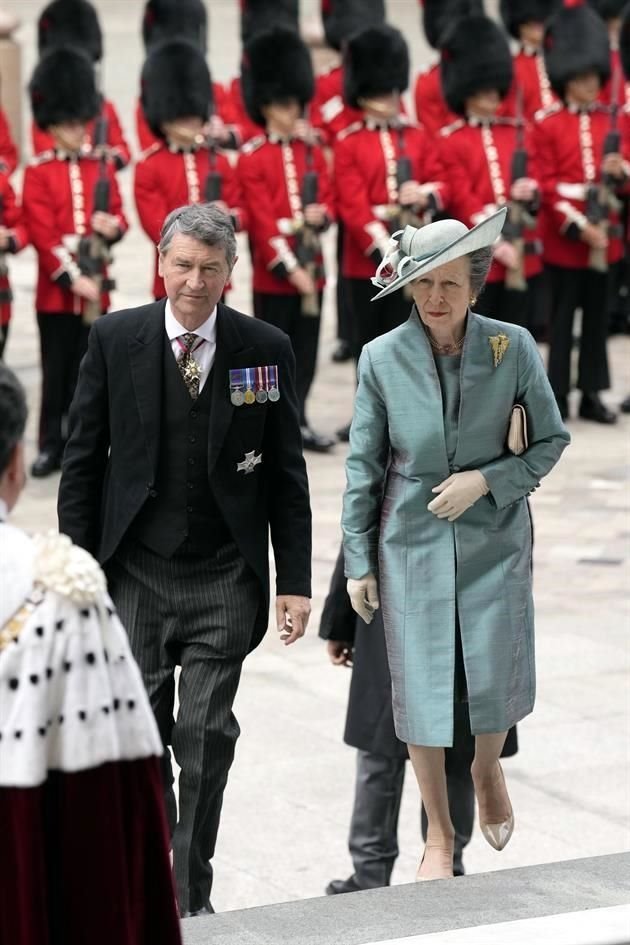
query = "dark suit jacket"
x=110 y=462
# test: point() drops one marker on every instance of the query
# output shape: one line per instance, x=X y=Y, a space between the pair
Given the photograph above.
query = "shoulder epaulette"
x=450 y=129
x=152 y=149
x=42 y=158
x=253 y=144
x=552 y=109
x=349 y=130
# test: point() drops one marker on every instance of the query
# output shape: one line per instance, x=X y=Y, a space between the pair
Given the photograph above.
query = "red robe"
x=58 y=200
x=166 y=179
x=328 y=113
x=530 y=77
x=12 y=218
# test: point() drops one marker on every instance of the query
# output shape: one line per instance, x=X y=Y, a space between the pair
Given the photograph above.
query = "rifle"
x=601 y=198
x=308 y=242
x=213 y=185
x=6 y=296
x=520 y=217
x=94 y=252
x=407 y=215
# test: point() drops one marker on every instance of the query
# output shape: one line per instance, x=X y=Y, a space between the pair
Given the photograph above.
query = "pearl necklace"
x=448 y=348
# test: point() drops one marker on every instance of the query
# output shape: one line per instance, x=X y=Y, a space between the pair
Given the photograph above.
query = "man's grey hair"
x=480 y=261
x=204 y=222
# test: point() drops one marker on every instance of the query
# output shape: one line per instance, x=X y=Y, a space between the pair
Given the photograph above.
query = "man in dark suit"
x=184 y=452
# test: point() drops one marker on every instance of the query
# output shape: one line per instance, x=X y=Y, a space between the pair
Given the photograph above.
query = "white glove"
x=363 y=594
x=458 y=493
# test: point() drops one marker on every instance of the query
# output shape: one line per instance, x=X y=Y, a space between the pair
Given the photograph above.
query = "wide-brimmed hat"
x=416 y=251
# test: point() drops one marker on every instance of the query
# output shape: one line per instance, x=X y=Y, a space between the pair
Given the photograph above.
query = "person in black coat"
x=381 y=756
x=184 y=452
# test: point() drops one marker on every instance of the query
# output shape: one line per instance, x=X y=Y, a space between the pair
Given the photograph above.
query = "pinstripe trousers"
x=199 y=614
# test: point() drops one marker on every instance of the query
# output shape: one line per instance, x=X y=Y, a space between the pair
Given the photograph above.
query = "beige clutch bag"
x=517 y=432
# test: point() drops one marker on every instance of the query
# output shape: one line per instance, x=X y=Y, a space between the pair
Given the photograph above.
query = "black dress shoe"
x=625 y=405
x=343 y=435
x=592 y=408
x=45 y=464
x=316 y=442
x=342 y=352
x=337 y=886
x=205 y=910
x=563 y=406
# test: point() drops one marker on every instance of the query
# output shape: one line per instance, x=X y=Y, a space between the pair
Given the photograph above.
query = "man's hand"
x=524 y=189
x=315 y=214
x=340 y=652
x=302 y=281
x=292 y=613
x=412 y=195
x=105 y=224
x=506 y=254
x=363 y=594
x=594 y=236
x=613 y=165
x=85 y=288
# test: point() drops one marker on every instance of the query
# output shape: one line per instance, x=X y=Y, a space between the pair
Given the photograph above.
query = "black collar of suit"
x=145 y=352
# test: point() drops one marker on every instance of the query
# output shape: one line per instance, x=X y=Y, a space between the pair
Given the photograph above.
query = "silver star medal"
x=249 y=463
x=192 y=371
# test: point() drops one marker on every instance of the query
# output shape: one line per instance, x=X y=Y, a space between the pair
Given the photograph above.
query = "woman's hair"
x=13 y=414
x=480 y=261
x=204 y=222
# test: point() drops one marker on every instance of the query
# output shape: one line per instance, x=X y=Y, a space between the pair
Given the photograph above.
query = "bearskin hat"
x=475 y=56
x=63 y=88
x=70 y=23
x=164 y=20
x=438 y=15
x=345 y=17
x=375 y=62
x=624 y=44
x=576 y=42
x=261 y=16
x=608 y=9
x=516 y=12
x=175 y=83
x=276 y=66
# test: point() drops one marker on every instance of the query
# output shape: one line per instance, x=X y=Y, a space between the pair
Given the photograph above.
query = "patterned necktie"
x=188 y=367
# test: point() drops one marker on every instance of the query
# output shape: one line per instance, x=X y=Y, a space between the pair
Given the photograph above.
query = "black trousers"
x=371 y=319
x=63 y=341
x=344 y=316
x=4 y=337
x=571 y=289
x=285 y=312
x=199 y=614
x=373 y=840
x=507 y=305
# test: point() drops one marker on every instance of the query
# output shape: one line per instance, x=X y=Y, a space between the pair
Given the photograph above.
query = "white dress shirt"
x=204 y=354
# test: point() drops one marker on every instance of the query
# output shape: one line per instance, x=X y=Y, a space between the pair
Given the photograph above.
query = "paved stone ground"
x=288 y=801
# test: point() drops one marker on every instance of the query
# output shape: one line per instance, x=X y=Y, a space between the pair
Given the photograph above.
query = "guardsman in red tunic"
x=478 y=153
x=329 y=114
x=288 y=199
x=184 y=165
x=8 y=149
x=166 y=20
x=624 y=55
x=387 y=173
x=438 y=16
x=13 y=238
x=525 y=21
x=75 y=23
x=71 y=232
x=580 y=223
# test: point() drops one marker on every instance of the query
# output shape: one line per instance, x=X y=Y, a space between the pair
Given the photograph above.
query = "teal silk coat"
x=432 y=571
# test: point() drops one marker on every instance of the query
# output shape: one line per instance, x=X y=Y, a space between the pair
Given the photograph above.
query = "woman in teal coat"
x=435 y=517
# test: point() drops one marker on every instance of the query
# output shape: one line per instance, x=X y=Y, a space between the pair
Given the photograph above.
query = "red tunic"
x=569 y=148
x=166 y=179
x=329 y=114
x=118 y=149
x=432 y=112
x=12 y=218
x=616 y=75
x=530 y=76
x=8 y=149
x=365 y=178
x=222 y=105
x=478 y=165
x=246 y=128
x=271 y=173
x=58 y=200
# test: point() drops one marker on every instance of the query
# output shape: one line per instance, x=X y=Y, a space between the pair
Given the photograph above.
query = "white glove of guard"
x=458 y=493
x=363 y=594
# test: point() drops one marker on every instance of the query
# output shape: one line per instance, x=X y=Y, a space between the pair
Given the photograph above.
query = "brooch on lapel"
x=499 y=344
x=254 y=385
x=249 y=463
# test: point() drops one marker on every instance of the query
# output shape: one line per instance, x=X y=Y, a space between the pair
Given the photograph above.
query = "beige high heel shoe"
x=498 y=835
